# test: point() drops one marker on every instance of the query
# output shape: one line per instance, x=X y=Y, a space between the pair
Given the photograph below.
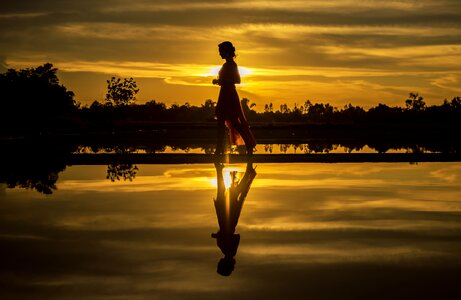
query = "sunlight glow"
x=227 y=176
x=227 y=179
x=244 y=71
x=214 y=71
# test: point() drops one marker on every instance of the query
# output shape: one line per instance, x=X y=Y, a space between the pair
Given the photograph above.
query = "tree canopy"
x=121 y=92
x=34 y=92
x=33 y=99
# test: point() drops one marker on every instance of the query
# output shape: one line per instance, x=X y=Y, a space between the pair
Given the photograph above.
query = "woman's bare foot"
x=219 y=152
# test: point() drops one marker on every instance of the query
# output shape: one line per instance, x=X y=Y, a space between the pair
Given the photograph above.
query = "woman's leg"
x=220 y=137
x=245 y=133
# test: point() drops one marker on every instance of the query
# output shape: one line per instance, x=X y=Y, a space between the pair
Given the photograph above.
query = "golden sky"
x=327 y=51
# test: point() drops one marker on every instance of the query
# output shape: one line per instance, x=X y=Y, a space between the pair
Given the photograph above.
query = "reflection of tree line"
x=39 y=169
x=326 y=147
x=33 y=165
x=316 y=146
x=42 y=179
x=116 y=172
x=147 y=148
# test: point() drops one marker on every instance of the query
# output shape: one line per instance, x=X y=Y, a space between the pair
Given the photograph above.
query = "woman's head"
x=226 y=49
x=226 y=266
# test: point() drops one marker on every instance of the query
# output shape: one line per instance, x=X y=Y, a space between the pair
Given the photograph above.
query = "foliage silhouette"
x=115 y=172
x=34 y=165
x=121 y=92
x=33 y=98
x=43 y=180
x=415 y=102
x=126 y=171
x=34 y=101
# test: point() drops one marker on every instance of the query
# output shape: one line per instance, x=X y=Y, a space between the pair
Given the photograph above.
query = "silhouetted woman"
x=228 y=205
x=229 y=110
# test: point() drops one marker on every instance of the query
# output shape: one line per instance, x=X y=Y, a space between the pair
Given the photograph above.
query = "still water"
x=304 y=231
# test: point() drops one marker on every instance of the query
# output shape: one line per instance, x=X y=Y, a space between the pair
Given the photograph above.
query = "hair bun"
x=227 y=47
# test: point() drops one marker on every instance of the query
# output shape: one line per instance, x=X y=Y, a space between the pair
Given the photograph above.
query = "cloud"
x=3 y=65
x=330 y=50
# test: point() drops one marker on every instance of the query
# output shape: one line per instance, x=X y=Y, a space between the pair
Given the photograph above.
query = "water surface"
x=312 y=231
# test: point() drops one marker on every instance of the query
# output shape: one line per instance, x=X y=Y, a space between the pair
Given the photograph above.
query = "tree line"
x=33 y=98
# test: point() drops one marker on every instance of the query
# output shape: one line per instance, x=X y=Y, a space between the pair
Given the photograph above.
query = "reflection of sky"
x=318 y=230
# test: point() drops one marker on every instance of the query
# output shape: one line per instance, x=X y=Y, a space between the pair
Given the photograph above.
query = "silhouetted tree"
x=297 y=110
x=307 y=106
x=96 y=105
x=284 y=109
x=247 y=108
x=320 y=112
x=209 y=104
x=246 y=105
x=455 y=103
x=121 y=92
x=33 y=96
x=352 y=113
x=154 y=108
x=33 y=99
x=415 y=102
x=266 y=108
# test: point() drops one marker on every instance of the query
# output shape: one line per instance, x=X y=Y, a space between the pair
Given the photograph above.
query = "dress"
x=229 y=107
x=228 y=204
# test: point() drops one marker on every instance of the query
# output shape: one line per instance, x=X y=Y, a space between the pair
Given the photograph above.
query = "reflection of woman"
x=228 y=205
x=228 y=109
